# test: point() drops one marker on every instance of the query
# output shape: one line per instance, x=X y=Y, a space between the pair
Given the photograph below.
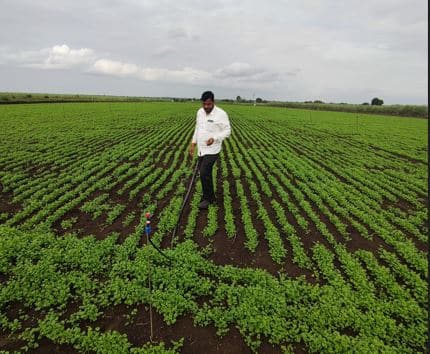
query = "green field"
x=318 y=242
x=403 y=110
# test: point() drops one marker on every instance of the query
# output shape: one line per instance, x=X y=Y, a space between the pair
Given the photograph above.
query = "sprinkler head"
x=148 y=228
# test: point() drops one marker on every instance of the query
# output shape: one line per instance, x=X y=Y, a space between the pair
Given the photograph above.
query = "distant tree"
x=318 y=101
x=258 y=100
x=377 y=102
x=238 y=98
x=365 y=103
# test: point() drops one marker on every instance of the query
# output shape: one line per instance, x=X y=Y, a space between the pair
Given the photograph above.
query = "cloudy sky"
x=295 y=50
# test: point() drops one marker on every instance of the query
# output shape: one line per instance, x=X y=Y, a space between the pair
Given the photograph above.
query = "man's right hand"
x=192 y=148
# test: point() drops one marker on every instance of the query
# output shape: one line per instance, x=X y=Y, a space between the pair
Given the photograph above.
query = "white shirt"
x=214 y=125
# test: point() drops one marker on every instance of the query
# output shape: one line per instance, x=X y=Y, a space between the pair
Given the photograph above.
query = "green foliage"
x=338 y=201
x=68 y=223
x=97 y=206
x=376 y=102
x=114 y=213
x=212 y=225
x=128 y=219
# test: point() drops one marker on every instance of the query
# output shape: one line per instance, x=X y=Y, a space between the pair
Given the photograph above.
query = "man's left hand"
x=210 y=141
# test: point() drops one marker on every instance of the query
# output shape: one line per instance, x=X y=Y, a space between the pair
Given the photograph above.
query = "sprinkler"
x=148 y=216
x=148 y=230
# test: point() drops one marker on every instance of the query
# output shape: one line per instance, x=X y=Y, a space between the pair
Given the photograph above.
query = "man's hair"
x=208 y=95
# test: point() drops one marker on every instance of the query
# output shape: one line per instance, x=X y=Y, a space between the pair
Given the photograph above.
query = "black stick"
x=185 y=201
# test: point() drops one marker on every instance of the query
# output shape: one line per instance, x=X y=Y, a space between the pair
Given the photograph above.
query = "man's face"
x=208 y=105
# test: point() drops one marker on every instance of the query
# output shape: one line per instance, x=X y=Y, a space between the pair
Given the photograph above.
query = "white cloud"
x=86 y=59
x=185 y=74
x=117 y=68
x=61 y=56
x=56 y=57
x=233 y=75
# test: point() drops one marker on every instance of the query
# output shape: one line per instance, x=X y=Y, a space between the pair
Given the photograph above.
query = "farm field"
x=317 y=244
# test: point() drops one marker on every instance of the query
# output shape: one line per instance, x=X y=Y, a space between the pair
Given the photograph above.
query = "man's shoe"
x=204 y=204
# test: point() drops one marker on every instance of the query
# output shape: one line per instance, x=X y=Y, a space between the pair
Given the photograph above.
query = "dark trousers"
x=206 y=163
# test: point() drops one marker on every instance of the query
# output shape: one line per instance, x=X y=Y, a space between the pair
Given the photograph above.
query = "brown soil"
x=196 y=339
x=6 y=202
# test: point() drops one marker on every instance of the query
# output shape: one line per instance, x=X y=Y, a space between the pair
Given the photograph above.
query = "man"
x=212 y=127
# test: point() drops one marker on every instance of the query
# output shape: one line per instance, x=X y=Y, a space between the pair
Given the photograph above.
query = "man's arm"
x=225 y=129
x=194 y=139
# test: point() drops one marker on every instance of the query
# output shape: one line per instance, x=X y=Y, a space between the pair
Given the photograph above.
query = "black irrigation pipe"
x=196 y=167
x=187 y=195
